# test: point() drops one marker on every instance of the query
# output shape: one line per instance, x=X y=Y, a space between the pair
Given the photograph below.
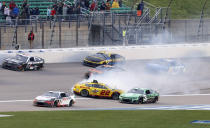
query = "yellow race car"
x=96 y=89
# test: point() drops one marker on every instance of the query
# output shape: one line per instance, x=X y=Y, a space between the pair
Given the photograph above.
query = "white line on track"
x=11 y=101
x=189 y=95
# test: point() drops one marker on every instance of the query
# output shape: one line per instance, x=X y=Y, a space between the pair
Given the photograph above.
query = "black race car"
x=103 y=58
x=22 y=62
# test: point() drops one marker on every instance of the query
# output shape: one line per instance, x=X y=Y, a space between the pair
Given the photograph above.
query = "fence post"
x=0 y=38
x=42 y=35
x=77 y=25
x=59 y=33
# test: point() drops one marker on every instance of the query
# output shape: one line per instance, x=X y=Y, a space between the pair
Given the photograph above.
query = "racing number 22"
x=104 y=92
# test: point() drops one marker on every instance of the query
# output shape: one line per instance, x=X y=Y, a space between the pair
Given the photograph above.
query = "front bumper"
x=43 y=103
x=127 y=100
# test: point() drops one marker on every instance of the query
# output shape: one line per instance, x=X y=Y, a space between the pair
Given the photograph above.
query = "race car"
x=96 y=89
x=102 y=69
x=166 y=66
x=139 y=95
x=103 y=58
x=54 y=99
x=23 y=62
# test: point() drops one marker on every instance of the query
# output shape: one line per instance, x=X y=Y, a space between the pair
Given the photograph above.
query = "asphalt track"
x=18 y=89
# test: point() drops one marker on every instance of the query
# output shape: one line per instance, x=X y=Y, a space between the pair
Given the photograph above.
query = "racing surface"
x=18 y=89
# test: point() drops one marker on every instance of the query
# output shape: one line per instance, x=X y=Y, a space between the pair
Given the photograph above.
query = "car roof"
x=56 y=92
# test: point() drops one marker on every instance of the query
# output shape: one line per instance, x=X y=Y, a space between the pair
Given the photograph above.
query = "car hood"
x=94 y=58
x=44 y=98
x=131 y=95
x=12 y=60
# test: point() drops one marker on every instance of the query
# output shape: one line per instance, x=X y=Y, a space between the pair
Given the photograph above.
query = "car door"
x=30 y=64
x=148 y=95
x=64 y=99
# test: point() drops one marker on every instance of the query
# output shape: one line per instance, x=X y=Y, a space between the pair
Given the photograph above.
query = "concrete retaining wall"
x=130 y=52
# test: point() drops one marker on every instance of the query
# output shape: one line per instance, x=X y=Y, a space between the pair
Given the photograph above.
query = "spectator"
x=93 y=6
x=37 y=12
x=65 y=10
x=48 y=13
x=108 y=5
x=31 y=38
x=15 y=12
x=55 y=6
x=24 y=4
x=120 y=3
x=115 y=4
x=78 y=9
x=140 y=8
x=87 y=4
x=2 y=7
x=53 y=12
x=103 y=6
x=12 y=5
x=60 y=9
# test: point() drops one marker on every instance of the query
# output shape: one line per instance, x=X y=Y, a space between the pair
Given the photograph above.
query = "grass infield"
x=105 y=119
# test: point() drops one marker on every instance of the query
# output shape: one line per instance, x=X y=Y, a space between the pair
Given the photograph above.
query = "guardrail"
x=129 y=52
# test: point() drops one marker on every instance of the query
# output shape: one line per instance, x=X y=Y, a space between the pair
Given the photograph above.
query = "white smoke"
x=135 y=76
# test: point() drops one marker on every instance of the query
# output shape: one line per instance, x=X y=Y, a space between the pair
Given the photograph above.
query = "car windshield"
x=139 y=91
x=51 y=94
x=100 y=55
x=21 y=58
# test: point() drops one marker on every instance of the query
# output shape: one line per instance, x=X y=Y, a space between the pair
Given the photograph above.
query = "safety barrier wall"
x=129 y=52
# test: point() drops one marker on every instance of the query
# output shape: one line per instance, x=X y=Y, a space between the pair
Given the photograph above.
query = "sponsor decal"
x=201 y=122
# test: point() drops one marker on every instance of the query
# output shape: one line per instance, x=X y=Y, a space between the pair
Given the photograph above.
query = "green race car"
x=139 y=95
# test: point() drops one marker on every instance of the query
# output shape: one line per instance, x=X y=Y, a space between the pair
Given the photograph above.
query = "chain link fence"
x=102 y=29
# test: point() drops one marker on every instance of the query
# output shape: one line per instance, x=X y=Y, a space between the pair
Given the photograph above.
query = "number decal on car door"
x=104 y=92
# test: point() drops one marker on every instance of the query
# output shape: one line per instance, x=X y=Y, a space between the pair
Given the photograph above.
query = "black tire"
x=3 y=65
x=84 y=93
x=115 y=96
x=20 y=68
x=55 y=104
x=141 y=100
x=155 y=100
x=87 y=75
x=70 y=103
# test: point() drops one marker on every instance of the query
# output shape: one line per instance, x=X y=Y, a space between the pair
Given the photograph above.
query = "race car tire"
x=84 y=93
x=115 y=96
x=87 y=75
x=140 y=101
x=55 y=104
x=155 y=100
x=70 y=103
x=20 y=68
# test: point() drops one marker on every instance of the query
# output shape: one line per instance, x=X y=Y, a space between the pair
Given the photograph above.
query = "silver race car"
x=54 y=99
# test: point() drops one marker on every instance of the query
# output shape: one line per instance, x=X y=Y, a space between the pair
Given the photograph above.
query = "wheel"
x=84 y=93
x=87 y=75
x=3 y=65
x=70 y=103
x=141 y=100
x=55 y=104
x=20 y=68
x=115 y=96
x=155 y=100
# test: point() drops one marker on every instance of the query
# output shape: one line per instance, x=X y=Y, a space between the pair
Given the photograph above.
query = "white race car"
x=54 y=99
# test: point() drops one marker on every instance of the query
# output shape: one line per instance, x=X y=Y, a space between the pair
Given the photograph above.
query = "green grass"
x=181 y=9
x=105 y=119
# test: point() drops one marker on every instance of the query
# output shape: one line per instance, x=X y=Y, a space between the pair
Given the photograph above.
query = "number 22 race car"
x=96 y=89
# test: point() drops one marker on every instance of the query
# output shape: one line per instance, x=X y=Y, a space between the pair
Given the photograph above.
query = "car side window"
x=103 y=87
x=112 y=56
x=31 y=59
x=147 y=92
x=96 y=85
x=63 y=95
